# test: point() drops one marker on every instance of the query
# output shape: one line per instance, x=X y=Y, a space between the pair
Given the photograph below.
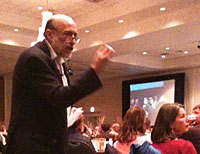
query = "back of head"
x=133 y=124
x=105 y=127
x=162 y=130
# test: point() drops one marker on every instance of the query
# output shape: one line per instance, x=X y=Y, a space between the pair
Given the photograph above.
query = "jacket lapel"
x=43 y=46
x=66 y=74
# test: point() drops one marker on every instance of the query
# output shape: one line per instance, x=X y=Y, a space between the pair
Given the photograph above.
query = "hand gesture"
x=103 y=55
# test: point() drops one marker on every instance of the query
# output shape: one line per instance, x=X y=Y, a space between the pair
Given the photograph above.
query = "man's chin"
x=67 y=55
x=69 y=48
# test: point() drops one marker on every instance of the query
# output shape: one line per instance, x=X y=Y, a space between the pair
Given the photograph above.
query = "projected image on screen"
x=152 y=95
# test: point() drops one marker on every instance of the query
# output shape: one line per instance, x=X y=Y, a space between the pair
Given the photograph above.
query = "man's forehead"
x=62 y=25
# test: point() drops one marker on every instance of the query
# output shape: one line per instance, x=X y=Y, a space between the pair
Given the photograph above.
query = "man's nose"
x=74 y=40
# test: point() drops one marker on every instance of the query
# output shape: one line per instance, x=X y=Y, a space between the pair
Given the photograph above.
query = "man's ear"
x=49 y=34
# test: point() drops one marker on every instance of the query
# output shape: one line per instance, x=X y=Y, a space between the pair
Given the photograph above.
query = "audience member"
x=86 y=131
x=3 y=130
x=97 y=131
x=3 y=136
x=193 y=135
x=42 y=91
x=132 y=130
x=170 y=123
x=116 y=127
x=105 y=131
x=76 y=137
x=114 y=131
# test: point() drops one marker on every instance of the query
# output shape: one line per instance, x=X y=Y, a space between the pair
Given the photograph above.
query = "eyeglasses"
x=68 y=35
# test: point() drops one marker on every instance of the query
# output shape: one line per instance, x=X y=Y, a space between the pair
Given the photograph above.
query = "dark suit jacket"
x=77 y=137
x=193 y=135
x=38 y=121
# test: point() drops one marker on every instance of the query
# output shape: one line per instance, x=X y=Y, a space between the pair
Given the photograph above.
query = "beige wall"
x=192 y=88
x=2 y=103
x=108 y=99
x=8 y=93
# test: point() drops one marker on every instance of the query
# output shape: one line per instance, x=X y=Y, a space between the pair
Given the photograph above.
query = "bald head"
x=61 y=33
x=57 y=21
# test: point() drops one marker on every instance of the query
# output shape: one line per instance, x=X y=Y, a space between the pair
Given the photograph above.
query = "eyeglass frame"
x=69 y=35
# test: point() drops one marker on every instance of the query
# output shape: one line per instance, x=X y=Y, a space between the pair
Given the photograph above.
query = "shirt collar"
x=54 y=55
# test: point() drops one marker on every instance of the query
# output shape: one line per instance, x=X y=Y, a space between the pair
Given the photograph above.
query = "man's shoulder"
x=40 y=46
x=38 y=50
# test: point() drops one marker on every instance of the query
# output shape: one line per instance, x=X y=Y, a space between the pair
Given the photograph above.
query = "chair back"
x=110 y=150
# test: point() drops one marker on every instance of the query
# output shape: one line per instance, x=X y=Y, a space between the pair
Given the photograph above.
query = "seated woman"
x=132 y=130
x=170 y=123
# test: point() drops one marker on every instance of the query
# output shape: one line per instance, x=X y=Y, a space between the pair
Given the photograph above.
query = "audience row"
x=173 y=133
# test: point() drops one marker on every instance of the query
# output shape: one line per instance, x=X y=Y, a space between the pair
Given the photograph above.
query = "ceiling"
x=145 y=28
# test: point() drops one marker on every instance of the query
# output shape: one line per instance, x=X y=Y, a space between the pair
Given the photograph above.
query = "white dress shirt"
x=59 y=63
x=71 y=116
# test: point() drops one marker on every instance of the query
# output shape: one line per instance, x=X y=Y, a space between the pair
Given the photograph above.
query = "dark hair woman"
x=170 y=123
